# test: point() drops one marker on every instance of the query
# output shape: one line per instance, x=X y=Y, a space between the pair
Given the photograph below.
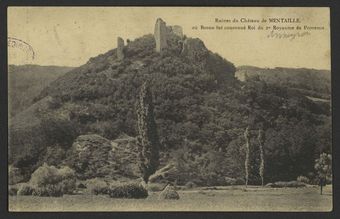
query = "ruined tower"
x=120 y=48
x=160 y=35
x=177 y=30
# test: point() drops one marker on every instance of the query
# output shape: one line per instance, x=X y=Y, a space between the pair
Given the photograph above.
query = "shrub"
x=50 y=181
x=81 y=186
x=12 y=190
x=68 y=182
x=295 y=184
x=66 y=172
x=128 y=190
x=15 y=175
x=190 y=185
x=290 y=184
x=303 y=179
x=68 y=185
x=25 y=189
x=54 y=155
x=240 y=181
x=97 y=186
x=48 y=191
x=45 y=175
x=230 y=181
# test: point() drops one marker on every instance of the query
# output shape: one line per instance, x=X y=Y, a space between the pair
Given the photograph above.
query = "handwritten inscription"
x=284 y=35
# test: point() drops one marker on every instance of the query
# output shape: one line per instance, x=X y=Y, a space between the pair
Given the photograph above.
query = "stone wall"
x=177 y=30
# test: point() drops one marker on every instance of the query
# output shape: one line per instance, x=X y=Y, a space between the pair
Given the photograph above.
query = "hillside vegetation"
x=27 y=81
x=201 y=111
x=310 y=82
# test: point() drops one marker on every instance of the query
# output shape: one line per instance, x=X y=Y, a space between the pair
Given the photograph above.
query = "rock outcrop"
x=96 y=156
x=169 y=193
x=120 y=48
x=194 y=49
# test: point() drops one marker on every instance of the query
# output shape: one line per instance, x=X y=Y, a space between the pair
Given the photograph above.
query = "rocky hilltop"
x=201 y=112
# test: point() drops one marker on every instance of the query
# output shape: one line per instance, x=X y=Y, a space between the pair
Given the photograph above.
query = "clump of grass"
x=25 y=189
x=190 y=185
x=128 y=190
x=48 y=191
x=303 y=179
x=97 y=186
x=12 y=190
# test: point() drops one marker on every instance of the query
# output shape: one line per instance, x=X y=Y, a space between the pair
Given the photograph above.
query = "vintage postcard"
x=169 y=109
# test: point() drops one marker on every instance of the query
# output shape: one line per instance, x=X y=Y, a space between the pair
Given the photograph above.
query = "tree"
x=260 y=139
x=147 y=140
x=246 y=162
x=323 y=167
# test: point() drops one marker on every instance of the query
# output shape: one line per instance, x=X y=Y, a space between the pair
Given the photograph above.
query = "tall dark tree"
x=323 y=167
x=246 y=162
x=147 y=140
x=260 y=139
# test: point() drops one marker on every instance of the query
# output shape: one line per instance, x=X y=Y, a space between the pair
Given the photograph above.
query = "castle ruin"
x=160 y=35
x=177 y=30
x=120 y=48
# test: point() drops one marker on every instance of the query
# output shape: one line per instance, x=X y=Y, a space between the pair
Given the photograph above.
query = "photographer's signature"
x=284 y=35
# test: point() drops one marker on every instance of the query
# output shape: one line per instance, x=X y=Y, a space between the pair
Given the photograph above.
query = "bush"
x=303 y=179
x=190 y=185
x=329 y=180
x=45 y=175
x=97 y=186
x=50 y=181
x=68 y=185
x=230 y=181
x=68 y=182
x=81 y=186
x=54 y=155
x=128 y=190
x=290 y=184
x=240 y=181
x=48 y=191
x=15 y=175
x=25 y=189
x=12 y=191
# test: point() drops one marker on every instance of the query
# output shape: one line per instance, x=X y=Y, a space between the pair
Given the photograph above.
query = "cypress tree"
x=147 y=140
x=260 y=139
x=246 y=162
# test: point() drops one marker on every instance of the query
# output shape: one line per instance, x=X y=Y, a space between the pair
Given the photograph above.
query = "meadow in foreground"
x=231 y=198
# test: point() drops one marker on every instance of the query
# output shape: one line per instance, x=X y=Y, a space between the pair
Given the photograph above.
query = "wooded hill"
x=201 y=111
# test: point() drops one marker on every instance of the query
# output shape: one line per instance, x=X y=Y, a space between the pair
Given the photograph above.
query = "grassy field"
x=198 y=199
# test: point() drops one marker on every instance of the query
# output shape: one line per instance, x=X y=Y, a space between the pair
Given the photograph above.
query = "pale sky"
x=69 y=36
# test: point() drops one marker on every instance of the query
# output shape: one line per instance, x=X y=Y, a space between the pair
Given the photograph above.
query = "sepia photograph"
x=219 y=109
